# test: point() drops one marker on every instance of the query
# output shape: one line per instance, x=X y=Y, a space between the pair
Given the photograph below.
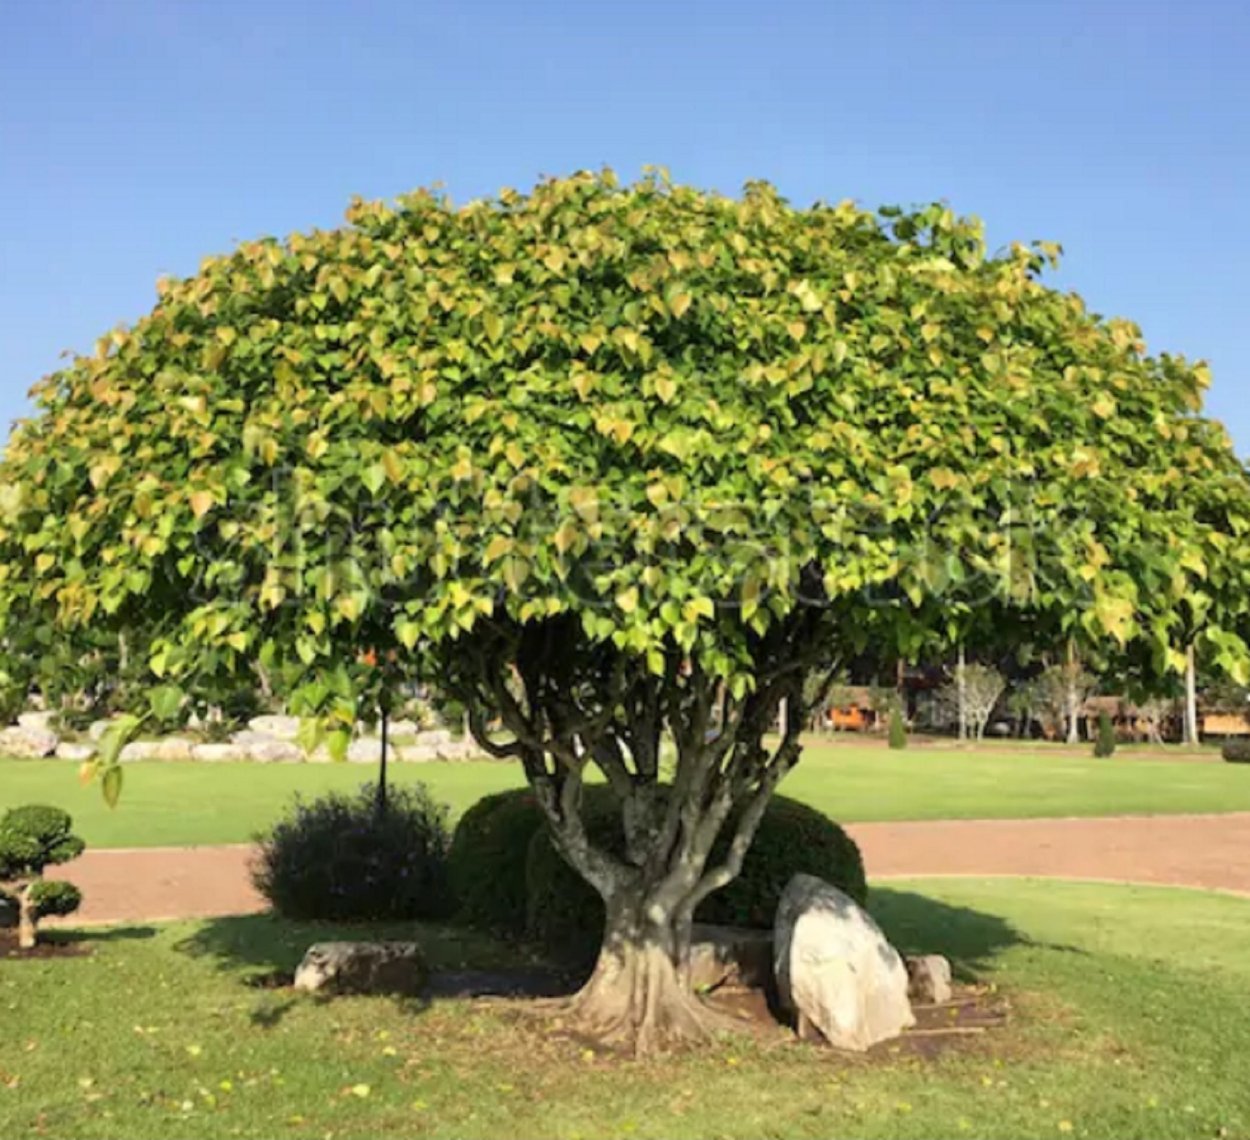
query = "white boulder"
x=167 y=748
x=27 y=743
x=40 y=721
x=218 y=753
x=835 y=969
x=73 y=750
x=278 y=727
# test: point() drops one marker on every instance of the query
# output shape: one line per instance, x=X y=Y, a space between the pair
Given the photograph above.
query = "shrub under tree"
x=615 y=464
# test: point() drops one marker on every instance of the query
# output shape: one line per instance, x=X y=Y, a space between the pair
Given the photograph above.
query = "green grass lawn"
x=1128 y=1020
x=166 y=804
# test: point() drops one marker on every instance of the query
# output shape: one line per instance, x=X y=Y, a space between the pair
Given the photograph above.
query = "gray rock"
x=36 y=721
x=835 y=969
x=729 y=955
x=27 y=743
x=403 y=728
x=278 y=727
x=218 y=753
x=74 y=750
x=271 y=751
x=928 y=979
x=169 y=748
x=363 y=968
x=415 y=754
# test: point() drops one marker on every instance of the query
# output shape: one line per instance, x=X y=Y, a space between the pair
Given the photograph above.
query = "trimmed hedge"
x=564 y=913
x=1236 y=751
x=486 y=863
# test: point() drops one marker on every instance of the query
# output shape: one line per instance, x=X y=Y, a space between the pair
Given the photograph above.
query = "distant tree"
x=1104 y=744
x=982 y=687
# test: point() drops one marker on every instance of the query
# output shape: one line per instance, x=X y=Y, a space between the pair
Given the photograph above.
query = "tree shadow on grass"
x=970 y=939
x=463 y=963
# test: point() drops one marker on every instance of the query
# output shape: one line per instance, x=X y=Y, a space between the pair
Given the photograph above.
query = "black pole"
x=381 y=801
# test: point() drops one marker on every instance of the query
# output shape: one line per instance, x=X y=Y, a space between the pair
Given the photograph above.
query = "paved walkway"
x=1210 y=851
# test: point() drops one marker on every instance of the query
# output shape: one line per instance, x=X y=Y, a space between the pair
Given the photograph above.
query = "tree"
x=617 y=466
x=973 y=696
x=1104 y=744
x=31 y=839
x=897 y=729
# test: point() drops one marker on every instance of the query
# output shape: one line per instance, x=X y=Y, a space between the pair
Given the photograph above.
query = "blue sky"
x=137 y=136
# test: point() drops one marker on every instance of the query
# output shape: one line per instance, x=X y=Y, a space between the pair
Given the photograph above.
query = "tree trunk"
x=639 y=993
x=26 y=930
x=962 y=681
x=1191 y=697
x=1074 y=711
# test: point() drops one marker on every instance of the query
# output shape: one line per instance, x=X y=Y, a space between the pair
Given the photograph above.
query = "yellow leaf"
x=462 y=469
x=493 y=326
x=589 y=342
x=943 y=478
x=930 y=332
x=514 y=454
x=392 y=465
x=565 y=535
x=1104 y=407
x=627 y=600
x=237 y=641
x=665 y=388
x=554 y=260
x=679 y=304
x=497 y=547
x=797 y=329
x=201 y=502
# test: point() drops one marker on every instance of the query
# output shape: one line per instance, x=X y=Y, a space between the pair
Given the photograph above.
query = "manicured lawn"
x=172 y=804
x=1128 y=1020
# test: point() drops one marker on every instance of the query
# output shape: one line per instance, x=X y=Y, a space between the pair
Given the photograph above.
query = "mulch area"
x=1209 y=851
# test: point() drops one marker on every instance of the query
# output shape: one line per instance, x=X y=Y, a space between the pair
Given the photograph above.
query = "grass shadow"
x=970 y=939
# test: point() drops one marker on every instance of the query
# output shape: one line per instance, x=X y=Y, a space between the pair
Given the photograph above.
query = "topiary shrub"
x=340 y=858
x=486 y=864
x=33 y=838
x=566 y=914
x=1104 y=742
x=897 y=729
x=1236 y=751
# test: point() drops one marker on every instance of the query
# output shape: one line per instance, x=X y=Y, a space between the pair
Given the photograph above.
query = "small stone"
x=275 y=752
x=928 y=979
x=729 y=955
x=835 y=968
x=363 y=968
x=75 y=750
x=27 y=743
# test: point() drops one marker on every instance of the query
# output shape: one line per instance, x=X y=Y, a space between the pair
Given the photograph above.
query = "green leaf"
x=111 y=785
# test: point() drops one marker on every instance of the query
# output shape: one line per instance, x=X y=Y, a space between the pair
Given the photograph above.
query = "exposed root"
x=636 y=1003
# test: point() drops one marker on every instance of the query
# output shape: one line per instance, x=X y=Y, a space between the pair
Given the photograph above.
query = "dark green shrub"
x=897 y=729
x=1236 y=751
x=566 y=914
x=338 y=858
x=486 y=864
x=1104 y=743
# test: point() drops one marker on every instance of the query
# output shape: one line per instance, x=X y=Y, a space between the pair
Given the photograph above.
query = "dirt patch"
x=973 y=1012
